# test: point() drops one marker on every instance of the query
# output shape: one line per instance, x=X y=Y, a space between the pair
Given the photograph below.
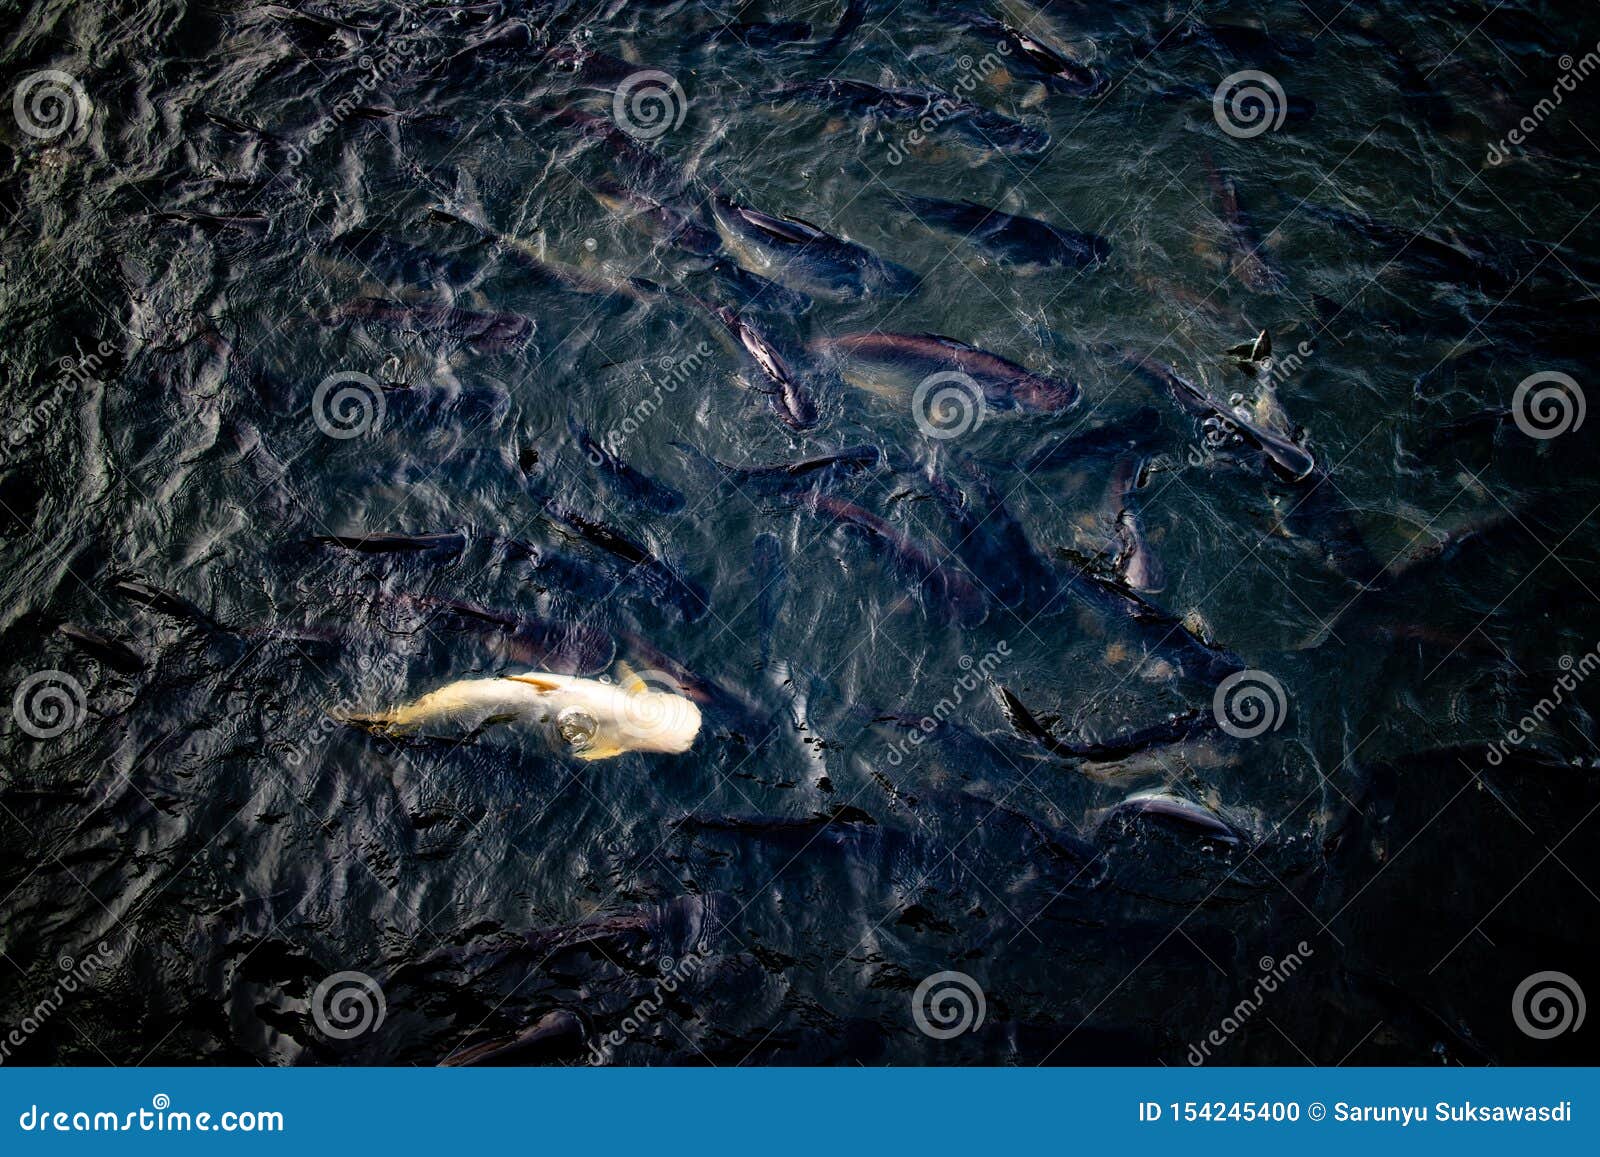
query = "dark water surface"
x=449 y=205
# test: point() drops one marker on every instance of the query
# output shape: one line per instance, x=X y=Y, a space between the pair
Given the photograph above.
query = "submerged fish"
x=942 y=581
x=1175 y=729
x=449 y=541
x=588 y=718
x=790 y=399
x=1020 y=241
x=947 y=113
x=651 y=572
x=484 y=331
x=114 y=653
x=894 y=365
x=771 y=579
x=640 y=488
x=651 y=217
x=792 y=477
x=1289 y=461
x=554 y=1035
x=1174 y=810
x=1249 y=262
x=804 y=257
x=1041 y=44
x=1137 y=565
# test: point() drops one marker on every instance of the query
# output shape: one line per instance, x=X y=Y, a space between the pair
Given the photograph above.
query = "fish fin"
x=628 y=679
x=535 y=682
x=590 y=754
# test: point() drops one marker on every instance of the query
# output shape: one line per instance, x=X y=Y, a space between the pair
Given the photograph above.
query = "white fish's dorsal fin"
x=536 y=681
x=628 y=679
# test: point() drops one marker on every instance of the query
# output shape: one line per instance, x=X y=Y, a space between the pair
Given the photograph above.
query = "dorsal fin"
x=629 y=680
x=535 y=681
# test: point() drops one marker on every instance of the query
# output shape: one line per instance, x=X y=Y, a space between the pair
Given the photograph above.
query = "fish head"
x=1041 y=395
x=597 y=720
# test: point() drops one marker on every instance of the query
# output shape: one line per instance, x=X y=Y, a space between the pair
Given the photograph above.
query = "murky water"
x=329 y=272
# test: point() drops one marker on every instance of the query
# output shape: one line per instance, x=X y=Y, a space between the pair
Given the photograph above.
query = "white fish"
x=587 y=717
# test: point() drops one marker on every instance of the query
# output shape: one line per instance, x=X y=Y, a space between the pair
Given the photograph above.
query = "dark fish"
x=690 y=598
x=991 y=542
x=1249 y=263
x=1164 y=632
x=793 y=477
x=1289 y=461
x=554 y=274
x=786 y=393
x=940 y=580
x=1021 y=241
x=752 y=291
x=1175 y=729
x=642 y=163
x=1173 y=810
x=895 y=364
x=770 y=576
x=1138 y=432
x=1136 y=564
x=756 y=35
x=798 y=254
x=1257 y=349
x=685 y=923
x=139 y=591
x=565 y=648
x=654 y=219
x=215 y=222
x=114 y=653
x=839 y=817
x=483 y=331
x=849 y=21
x=445 y=541
x=554 y=1036
x=1040 y=50
x=975 y=124
x=639 y=488
x=1426 y=254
